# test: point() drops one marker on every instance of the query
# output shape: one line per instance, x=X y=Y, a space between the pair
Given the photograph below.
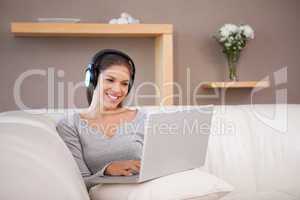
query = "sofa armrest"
x=36 y=164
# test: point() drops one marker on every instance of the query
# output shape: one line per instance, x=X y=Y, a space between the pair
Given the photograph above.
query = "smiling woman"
x=114 y=149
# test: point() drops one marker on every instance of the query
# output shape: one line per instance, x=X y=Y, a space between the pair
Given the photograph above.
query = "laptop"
x=174 y=141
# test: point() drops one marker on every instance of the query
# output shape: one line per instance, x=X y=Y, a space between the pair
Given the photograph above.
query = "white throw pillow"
x=192 y=184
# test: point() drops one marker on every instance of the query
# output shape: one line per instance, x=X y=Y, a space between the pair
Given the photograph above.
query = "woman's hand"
x=123 y=168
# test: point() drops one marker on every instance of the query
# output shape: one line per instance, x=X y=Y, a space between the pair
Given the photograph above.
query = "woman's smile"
x=113 y=97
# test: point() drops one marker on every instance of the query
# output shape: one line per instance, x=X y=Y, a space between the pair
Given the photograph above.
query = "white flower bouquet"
x=233 y=39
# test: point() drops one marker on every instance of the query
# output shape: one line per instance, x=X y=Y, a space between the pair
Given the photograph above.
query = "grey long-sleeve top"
x=93 y=151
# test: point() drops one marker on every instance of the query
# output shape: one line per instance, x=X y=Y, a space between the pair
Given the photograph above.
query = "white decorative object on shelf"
x=58 y=20
x=125 y=18
x=122 y=21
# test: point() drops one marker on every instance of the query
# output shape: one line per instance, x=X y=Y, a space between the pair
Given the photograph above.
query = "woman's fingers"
x=123 y=168
x=133 y=166
x=126 y=173
x=137 y=163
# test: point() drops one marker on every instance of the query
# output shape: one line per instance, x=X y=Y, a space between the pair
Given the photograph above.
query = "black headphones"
x=92 y=72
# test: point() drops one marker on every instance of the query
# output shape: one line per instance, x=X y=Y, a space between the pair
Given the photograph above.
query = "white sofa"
x=256 y=148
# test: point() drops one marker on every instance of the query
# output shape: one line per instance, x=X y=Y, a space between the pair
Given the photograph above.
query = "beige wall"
x=276 y=24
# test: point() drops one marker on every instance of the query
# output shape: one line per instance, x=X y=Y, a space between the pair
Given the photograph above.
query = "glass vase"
x=232 y=67
x=233 y=73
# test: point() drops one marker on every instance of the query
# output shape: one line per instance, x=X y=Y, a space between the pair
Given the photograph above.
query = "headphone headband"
x=92 y=71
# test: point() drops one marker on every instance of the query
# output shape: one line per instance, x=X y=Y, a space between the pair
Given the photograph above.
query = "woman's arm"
x=70 y=135
x=71 y=138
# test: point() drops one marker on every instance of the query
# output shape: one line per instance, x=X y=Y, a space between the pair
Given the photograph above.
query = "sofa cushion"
x=36 y=164
x=192 y=184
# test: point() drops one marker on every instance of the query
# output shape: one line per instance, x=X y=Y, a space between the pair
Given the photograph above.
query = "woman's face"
x=113 y=86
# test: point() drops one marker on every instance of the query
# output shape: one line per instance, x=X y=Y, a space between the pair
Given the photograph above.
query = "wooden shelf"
x=37 y=29
x=236 y=84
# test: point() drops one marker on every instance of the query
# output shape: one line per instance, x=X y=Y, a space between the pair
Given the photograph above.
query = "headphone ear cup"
x=88 y=76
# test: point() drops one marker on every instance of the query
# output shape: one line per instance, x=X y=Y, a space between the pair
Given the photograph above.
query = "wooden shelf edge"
x=37 y=29
x=236 y=84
